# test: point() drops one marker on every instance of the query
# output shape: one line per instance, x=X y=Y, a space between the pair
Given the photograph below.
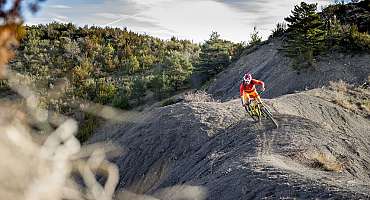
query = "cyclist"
x=248 y=90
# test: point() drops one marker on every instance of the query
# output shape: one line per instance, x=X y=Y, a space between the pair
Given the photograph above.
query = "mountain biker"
x=248 y=90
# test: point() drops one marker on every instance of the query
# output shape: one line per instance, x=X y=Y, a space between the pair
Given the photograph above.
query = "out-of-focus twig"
x=29 y=170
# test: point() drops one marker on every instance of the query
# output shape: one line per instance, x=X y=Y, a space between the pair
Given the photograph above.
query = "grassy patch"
x=353 y=98
x=339 y=86
x=365 y=106
x=87 y=127
x=318 y=160
x=324 y=162
x=170 y=101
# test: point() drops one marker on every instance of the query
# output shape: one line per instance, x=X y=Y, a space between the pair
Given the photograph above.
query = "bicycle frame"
x=255 y=109
x=258 y=110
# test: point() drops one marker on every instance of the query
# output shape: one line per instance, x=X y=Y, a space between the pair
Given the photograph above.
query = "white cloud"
x=59 y=6
x=150 y=2
x=190 y=19
x=108 y=15
x=61 y=19
x=197 y=19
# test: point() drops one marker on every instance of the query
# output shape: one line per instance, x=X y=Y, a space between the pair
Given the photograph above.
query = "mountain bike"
x=257 y=111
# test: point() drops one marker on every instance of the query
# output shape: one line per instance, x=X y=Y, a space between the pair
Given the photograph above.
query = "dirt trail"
x=319 y=151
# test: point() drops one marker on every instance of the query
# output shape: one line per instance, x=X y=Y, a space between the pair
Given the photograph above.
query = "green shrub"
x=82 y=71
x=133 y=65
x=86 y=90
x=87 y=127
x=138 y=89
x=105 y=91
x=121 y=101
x=160 y=85
x=358 y=41
x=347 y=38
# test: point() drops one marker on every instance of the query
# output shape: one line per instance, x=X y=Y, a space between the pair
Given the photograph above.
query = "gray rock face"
x=319 y=151
x=267 y=64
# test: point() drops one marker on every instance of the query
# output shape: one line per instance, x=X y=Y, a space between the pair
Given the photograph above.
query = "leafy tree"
x=305 y=35
x=178 y=69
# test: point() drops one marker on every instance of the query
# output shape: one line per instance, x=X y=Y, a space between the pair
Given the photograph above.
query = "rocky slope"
x=266 y=63
x=320 y=150
x=202 y=149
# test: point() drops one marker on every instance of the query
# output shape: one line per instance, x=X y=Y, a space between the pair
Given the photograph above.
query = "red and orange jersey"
x=248 y=88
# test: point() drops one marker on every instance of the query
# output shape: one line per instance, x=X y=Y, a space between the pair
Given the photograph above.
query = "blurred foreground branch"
x=57 y=166
x=37 y=171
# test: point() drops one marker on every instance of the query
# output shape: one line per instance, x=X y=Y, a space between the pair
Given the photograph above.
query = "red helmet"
x=247 y=78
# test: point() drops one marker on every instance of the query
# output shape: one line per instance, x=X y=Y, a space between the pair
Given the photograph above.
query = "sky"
x=194 y=20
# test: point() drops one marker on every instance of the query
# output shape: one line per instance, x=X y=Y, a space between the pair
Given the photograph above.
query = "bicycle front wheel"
x=269 y=115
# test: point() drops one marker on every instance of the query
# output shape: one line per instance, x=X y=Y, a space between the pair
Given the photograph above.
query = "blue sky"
x=187 y=19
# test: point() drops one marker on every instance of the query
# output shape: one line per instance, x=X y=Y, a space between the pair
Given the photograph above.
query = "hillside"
x=108 y=66
x=320 y=151
x=68 y=82
x=269 y=65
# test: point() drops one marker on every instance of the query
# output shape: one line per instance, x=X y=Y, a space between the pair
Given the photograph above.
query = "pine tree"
x=305 y=35
x=279 y=30
x=215 y=55
x=255 y=38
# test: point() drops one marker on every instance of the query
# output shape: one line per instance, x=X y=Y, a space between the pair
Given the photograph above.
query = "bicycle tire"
x=269 y=115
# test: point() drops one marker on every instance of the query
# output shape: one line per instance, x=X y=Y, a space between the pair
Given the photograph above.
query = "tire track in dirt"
x=217 y=146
